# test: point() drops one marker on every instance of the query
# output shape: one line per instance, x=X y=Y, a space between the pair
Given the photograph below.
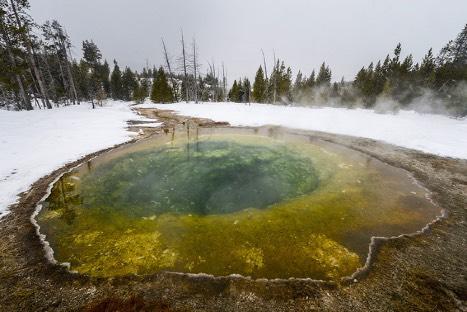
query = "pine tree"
x=23 y=23
x=427 y=69
x=92 y=56
x=311 y=81
x=428 y=64
x=324 y=76
x=379 y=79
x=129 y=83
x=145 y=84
x=80 y=73
x=280 y=85
x=116 y=86
x=14 y=65
x=284 y=85
x=56 y=59
x=259 y=86
x=395 y=62
x=104 y=73
x=246 y=91
x=241 y=92
x=335 y=90
x=455 y=52
x=303 y=90
x=298 y=85
x=139 y=92
x=161 y=91
x=386 y=67
x=360 y=79
x=234 y=92
x=91 y=53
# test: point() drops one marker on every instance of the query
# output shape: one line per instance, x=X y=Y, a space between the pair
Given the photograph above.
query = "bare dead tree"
x=185 y=71
x=218 y=86
x=224 y=82
x=195 y=69
x=264 y=62
x=215 y=80
x=169 y=68
x=274 y=79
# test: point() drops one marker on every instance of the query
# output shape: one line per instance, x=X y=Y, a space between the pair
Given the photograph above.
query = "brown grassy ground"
x=425 y=272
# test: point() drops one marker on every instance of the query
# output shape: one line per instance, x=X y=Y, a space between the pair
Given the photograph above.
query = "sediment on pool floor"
x=336 y=212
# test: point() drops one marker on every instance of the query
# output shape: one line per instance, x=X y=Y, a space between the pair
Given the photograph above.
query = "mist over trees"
x=436 y=84
x=37 y=70
x=438 y=81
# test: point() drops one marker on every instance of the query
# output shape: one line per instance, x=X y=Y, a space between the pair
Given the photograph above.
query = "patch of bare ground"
x=423 y=272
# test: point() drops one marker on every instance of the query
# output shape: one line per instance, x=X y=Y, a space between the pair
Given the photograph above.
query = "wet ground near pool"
x=264 y=202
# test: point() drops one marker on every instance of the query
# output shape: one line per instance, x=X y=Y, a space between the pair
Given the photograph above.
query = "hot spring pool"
x=256 y=202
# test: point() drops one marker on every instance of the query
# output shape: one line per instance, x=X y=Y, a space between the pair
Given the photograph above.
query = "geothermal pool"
x=264 y=203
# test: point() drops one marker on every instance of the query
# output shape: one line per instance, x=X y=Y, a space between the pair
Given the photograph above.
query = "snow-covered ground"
x=34 y=143
x=435 y=134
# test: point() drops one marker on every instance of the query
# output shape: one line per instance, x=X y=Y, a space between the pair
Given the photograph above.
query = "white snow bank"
x=35 y=143
x=434 y=134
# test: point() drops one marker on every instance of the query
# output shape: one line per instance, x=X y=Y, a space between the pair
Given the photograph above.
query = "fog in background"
x=304 y=33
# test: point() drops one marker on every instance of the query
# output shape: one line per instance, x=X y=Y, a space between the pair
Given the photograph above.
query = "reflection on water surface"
x=256 y=202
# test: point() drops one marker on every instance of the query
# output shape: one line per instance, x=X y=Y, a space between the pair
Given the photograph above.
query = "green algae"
x=309 y=208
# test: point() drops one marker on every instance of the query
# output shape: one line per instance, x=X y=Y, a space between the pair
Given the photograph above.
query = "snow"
x=148 y=125
x=35 y=143
x=435 y=134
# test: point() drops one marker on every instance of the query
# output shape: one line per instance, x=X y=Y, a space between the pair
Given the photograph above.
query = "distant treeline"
x=37 y=69
x=436 y=83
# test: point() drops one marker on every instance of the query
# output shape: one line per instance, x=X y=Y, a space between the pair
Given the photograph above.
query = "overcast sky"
x=346 y=34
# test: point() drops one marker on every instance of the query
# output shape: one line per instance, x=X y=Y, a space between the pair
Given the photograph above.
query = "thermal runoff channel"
x=257 y=202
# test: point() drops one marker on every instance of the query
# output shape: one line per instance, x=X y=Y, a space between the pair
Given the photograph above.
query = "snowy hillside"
x=435 y=134
x=34 y=143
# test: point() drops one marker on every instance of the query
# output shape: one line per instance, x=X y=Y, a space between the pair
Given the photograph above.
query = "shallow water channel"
x=264 y=202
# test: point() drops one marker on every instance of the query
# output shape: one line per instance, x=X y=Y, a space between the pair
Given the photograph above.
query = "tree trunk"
x=264 y=62
x=26 y=103
x=194 y=71
x=37 y=103
x=185 y=69
x=32 y=62
x=34 y=87
x=52 y=81
x=62 y=74
x=170 y=71
x=274 y=77
x=224 y=91
x=70 y=76
x=39 y=78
